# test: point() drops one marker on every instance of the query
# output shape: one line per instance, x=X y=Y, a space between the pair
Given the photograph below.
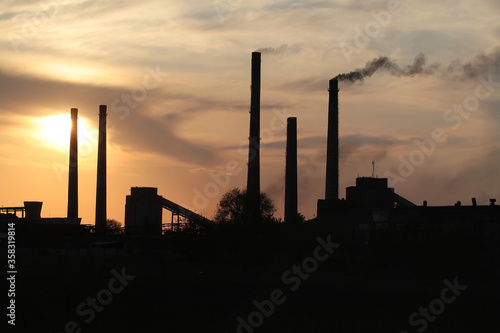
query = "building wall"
x=143 y=211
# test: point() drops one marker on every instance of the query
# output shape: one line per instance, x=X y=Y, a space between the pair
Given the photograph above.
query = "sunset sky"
x=176 y=78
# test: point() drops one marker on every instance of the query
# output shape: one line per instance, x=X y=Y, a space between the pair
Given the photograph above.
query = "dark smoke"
x=456 y=70
x=479 y=65
x=386 y=64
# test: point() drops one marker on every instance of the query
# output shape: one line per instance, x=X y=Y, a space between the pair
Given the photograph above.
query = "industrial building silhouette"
x=369 y=205
x=200 y=276
x=372 y=205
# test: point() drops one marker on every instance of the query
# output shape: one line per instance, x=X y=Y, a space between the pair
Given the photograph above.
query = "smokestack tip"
x=74 y=111
x=102 y=109
x=256 y=54
x=334 y=84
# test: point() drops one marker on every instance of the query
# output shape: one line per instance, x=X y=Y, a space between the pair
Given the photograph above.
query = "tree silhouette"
x=113 y=227
x=233 y=205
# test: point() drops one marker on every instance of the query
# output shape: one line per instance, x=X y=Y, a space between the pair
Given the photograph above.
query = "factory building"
x=371 y=205
x=34 y=230
x=143 y=211
x=368 y=205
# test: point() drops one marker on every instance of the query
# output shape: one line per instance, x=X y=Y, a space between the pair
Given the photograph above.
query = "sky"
x=176 y=78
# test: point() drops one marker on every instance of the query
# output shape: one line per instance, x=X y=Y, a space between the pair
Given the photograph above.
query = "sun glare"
x=55 y=131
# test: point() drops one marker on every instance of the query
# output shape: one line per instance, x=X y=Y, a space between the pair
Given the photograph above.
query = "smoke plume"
x=479 y=65
x=456 y=70
x=279 y=50
x=388 y=65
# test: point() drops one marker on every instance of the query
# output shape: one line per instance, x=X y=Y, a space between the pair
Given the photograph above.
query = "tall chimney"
x=100 y=206
x=291 y=208
x=332 y=149
x=73 y=167
x=253 y=179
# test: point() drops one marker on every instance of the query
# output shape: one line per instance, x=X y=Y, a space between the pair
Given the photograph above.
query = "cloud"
x=305 y=85
x=203 y=104
x=360 y=140
x=30 y=96
x=481 y=63
x=347 y=142
x=7 y=16
x=139 y=131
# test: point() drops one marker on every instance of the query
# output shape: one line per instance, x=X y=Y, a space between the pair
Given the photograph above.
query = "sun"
x=54 y=131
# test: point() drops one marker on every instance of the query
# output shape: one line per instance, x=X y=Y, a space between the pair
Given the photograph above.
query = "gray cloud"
x=306 y=85
x=142 y=132
x=360 y=140
x=7 y=16
x=293 y=4
x=138 y=131
x=347 y=142
x=481 y=63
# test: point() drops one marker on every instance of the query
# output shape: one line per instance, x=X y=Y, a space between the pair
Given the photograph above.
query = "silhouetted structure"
x=100 y=206
x=291 y=195
x=372 y=207
x=73 y=167
x=143 y=212
x=178 y=211
x=33 y=230
x=332 y=154
x=253 y=179
x=374 y=193
x=33 y=210
x=369 y=192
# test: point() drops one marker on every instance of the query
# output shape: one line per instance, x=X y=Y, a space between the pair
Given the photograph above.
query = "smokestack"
x=291 y=208
x=100 y=206
x=73 y=167
x=332 y=149
x=253 y=179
